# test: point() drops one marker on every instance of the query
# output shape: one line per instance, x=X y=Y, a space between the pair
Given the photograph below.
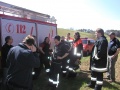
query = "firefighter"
x=64 y=63
x=75 y=55
x=60 y=53
x=45 y=54
x=63 y=40
x=98 y=60
x=69 y=39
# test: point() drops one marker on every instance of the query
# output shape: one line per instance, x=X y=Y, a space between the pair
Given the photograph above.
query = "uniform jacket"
x=66 y=43
x=77 y=48
x=99 y=55
x=45 y=48
x=4 y=52
x=20 y=62
x=60 y=50
x=69 y=41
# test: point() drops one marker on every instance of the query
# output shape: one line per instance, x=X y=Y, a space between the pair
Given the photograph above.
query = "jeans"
x=111 y=67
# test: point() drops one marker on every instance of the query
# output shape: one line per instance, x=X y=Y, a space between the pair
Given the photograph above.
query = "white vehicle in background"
x=19 y=22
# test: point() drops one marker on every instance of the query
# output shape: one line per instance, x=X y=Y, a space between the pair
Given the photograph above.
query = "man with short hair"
x=98 y=60
x=69 y=39
x=75 y=55
x=60 y=53
x=4 y=52
x=65 y=62
x=113 y=51
x=21 y=60
x=5 y=49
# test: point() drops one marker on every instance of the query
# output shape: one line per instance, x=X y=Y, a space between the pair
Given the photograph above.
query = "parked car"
x=87 y=45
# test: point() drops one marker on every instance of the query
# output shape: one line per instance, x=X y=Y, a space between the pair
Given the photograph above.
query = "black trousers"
x=37 y=71
x=54 y=73
x=4 y=75
x=46 y=63
x=72 y=64
x=12 y=87
x=97 y=79
x=64 y=66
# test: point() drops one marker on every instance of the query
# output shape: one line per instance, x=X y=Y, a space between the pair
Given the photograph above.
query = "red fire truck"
x=19 y=22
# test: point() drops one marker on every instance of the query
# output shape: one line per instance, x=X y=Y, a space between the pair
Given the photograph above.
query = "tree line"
x=117 y=32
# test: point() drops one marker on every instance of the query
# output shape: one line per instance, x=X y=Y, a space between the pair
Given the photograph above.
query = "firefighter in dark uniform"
x=46 y=54
x=98 y=60
x=59 y=54
x=75 y=55
x=69 y=39
x=64 y=63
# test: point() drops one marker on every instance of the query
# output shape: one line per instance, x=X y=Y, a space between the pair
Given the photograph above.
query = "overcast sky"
x=78 y=14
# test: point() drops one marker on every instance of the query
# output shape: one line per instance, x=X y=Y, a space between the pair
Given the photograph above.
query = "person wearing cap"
x=75 y=55
x=20 y=61
x=113 y=51
x=60 y=53
x=98 y=60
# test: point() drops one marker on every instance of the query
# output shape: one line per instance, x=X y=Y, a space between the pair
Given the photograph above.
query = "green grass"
x=78 y=83
x=63 y=32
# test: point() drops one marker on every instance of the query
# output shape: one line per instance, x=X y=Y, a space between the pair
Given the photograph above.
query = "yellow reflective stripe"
x=93 y=79
x=50 y=80
x=75 y=50
x=99 y=82
x=64 y=71
x=99 y=69
x=47 y=70
x=96 y=57
x=78 y=54
x=95 y=53
x=33 y=73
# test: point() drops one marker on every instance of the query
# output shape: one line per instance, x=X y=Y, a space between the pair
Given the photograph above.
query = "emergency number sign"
x=17 y=29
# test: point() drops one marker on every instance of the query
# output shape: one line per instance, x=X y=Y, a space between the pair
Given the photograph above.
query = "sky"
x=77 y=14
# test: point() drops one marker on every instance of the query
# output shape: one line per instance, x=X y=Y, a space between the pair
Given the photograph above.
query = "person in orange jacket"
x=75 y=55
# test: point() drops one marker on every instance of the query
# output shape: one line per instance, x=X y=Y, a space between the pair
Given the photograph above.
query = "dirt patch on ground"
x=85 y=69
x=117 y=69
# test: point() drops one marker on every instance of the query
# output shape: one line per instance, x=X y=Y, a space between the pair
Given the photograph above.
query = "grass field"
x=63 y=32
x=83 y=77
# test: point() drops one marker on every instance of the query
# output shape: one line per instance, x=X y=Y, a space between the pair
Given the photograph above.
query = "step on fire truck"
x=19 y=22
